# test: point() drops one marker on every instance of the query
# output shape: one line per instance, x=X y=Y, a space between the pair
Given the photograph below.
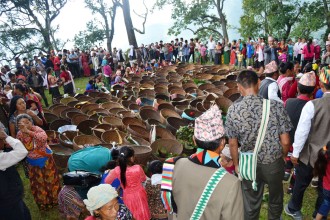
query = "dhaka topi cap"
x=308 y=79
x=98 y=196
x=209 y=126
x=271 y=67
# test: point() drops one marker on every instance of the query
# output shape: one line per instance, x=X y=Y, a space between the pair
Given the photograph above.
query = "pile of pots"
x=145 y=113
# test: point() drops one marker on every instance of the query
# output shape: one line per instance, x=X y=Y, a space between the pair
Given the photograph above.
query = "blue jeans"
x=325 y=206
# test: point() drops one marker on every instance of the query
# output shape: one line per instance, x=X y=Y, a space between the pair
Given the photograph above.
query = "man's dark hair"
x=247 y=78
x=208 y=145
x=306 y=89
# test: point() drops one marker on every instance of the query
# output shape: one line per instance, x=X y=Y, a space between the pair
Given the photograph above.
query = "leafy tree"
x=281 y=18
x=200 y=17
x=27 y=26
x=89 y=37
x=108 y=14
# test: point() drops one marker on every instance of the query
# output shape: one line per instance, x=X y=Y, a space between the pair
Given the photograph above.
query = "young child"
x=322 y=170
x=239 y=59
x=99 y=83
x=153 y=191
x=8 y=91
x=226 y=160
x=203 y=53
x=197 y=56
x=131 y=177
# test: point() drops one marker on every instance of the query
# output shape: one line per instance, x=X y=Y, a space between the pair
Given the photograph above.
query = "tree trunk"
x=224 y=27
x=129 y=24
x=48 y=43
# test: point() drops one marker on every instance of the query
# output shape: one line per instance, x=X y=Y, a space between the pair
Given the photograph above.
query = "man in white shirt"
x=269 y=88
x=297 y=51
x=311 y=136
x=12 y=206
x=211 y=48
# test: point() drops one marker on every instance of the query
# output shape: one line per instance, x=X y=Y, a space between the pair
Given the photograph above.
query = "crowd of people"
x=278 y=130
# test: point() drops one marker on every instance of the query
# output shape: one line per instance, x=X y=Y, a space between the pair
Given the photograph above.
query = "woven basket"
x=72 y=104
x=138 y=131
x=133 y=121
x=58 y=123
x=102 y=100
x=79 y=105
x=125 y=114
x=98 y=110
x=57 y=110
x=180 y=108
x=81 y=140
x=104 y=95
x=54 y=106
x=146 y=114
x=66 y=138
x=70 y=115
x=114 y=136
x=51 y=135
x=230 y=92
x=75 y=120
x=166 y=113
x=86 y=108
x=84 y=98
x=206 y=86
x=173 y=124
x=114 y=111
x=142 y=154
x=231 y=77
x=110 y=105
x=98 y=117
x=166 y=105
x=130 y=139
x=223 y=103
x=113 y=121
x=134 y=107
x=234 y=96
x=93 y=94
x=126 y=103
x=50 y=117
x=98 y=130
x=163 y=133
x=61 y=155
x=86 y=126
x=171 y=146
x=231 y=85
x=69 y=109
x=66 y=100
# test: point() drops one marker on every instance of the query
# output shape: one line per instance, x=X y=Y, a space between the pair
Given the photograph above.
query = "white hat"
x=98 y=196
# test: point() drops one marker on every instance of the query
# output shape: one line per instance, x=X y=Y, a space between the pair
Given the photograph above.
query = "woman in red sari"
x=43 y=174
x=85 y=66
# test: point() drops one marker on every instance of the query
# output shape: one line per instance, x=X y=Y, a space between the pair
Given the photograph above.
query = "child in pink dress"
x=131 y=177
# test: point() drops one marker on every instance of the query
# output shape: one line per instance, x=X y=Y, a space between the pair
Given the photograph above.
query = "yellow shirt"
x=239 y=57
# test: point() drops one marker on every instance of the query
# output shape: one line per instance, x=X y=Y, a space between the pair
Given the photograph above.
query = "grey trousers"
x=272 y=175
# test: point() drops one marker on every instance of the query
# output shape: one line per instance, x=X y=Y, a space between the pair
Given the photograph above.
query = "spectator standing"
x=273 y=150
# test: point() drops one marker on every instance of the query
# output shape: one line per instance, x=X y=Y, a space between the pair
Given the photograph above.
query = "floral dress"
x=44 y=178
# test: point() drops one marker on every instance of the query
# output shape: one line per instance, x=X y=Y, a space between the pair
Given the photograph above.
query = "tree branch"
x=144 y=16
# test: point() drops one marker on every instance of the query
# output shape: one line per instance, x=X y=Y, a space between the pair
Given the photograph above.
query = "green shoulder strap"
x=206 y=195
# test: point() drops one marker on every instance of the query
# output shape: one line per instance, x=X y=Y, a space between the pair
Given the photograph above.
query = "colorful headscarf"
x=325 y=75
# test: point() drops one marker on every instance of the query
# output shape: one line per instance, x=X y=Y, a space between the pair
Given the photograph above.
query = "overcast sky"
x=75 y=15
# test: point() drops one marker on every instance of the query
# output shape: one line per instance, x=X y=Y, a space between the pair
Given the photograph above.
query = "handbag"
x=207 y=193
x=81 y=179
x=248 y=160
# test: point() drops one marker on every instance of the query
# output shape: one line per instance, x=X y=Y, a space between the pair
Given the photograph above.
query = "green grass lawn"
x=307 y=210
